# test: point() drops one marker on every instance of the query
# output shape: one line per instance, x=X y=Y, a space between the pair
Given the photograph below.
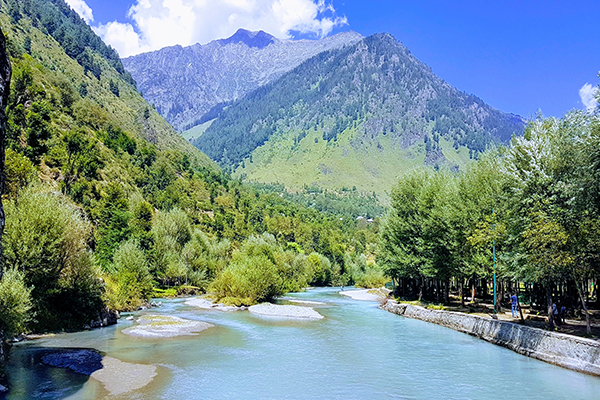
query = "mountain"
x=185 y=83
x=105 y=202
x=354 y=116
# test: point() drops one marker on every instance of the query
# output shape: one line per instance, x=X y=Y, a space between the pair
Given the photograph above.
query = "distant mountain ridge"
x=258 y=39
x=184 y=83
x=354 y=116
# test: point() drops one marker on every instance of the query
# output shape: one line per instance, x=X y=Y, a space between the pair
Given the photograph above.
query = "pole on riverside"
x=494 y=255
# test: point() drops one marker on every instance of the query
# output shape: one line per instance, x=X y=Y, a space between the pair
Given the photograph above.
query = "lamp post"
x=494 y=254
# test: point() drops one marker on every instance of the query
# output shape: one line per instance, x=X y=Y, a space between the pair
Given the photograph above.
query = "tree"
x=15 y=304
x=38 y=130
x=47 y=239
x=130 y=284
x=418 y=239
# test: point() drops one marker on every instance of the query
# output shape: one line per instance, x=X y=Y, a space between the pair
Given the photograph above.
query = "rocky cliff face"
x=184 y=83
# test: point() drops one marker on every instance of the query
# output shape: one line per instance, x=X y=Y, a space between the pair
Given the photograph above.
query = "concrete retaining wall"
x=579 y=354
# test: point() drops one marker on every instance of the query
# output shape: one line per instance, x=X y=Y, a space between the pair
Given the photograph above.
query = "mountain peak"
x=259 y=39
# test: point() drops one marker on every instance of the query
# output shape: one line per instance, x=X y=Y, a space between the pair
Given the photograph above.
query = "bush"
x=367 y=274
x=171 y=231
x=294 y=271
x=372 y=278
x=130 y=285
x=320 y=269
x=15 y=303
x=46 y=238
x=248 y=280
x=20 y=172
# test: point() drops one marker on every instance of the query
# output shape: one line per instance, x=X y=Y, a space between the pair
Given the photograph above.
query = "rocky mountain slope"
x=354 y=116
x=184 y=83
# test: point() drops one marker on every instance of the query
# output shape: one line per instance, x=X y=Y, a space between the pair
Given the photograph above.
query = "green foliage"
x=125 y=201
x=47 y=240
x=38 y=130
x=114 y=88
x=535 y=202
x=114 y=217
x=262 y=270
x=252 y=275
x=82 y=157
x=68 y=29
x=368 y=274
x=417 y=238
x=15 y=304
x=321 y=269
x=117 y=140
x=19 y=173
x=171 y=231
x=130 y=283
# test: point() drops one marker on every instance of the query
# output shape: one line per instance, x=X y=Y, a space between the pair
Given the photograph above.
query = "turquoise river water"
x=356 y=352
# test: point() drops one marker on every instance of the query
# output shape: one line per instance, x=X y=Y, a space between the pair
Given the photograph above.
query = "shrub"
x=372 y=278
x=366 y=273
x=20 y=172
x=15 y=303
x=248 y=280
x=171 y=231
x=130 y=285
x=320 y=269
x=294 y=271
x=46 y=238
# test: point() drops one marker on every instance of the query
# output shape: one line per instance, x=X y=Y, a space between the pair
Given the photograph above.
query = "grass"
x=196 y=131
x=424 y=304
x=333 y=165
x=176 y=291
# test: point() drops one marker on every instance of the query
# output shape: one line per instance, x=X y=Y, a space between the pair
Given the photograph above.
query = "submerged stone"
x=82 y=361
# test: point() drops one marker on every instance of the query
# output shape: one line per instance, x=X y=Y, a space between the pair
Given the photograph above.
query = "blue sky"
x=518 y=56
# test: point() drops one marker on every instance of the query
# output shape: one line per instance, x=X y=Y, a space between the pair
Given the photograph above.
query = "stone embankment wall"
x=579 y=354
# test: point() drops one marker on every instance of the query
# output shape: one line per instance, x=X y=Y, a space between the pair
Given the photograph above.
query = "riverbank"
x=575 y=353
x=366 y=294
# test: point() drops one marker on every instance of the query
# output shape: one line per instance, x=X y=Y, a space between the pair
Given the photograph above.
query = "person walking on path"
x=513 y=300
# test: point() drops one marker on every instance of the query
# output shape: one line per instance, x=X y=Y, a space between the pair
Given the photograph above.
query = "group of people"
x=559 y=315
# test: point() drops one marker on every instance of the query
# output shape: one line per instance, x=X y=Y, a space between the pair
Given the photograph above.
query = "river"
x=356 y=352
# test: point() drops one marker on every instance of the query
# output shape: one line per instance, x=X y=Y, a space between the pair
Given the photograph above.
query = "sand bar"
x=119 y=377
x=209 y=305
x=163 y=326
x=365 y=294
x=284 y=311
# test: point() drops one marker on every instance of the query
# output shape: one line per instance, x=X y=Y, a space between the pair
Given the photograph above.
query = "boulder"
x=105 y=318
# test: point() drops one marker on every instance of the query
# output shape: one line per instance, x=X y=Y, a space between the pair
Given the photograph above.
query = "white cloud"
x=588 y=96
x=160 y=23
x=81 y=8
x=121 y=37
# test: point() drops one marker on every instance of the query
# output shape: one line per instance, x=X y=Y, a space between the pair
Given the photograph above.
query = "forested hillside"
x=359 y=116
x=106 y=205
